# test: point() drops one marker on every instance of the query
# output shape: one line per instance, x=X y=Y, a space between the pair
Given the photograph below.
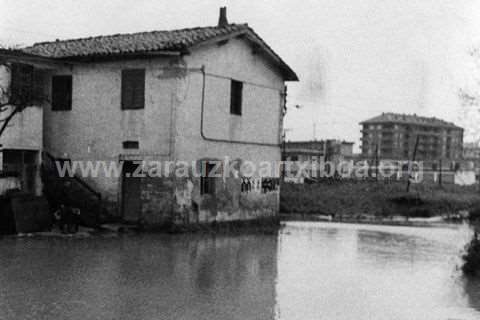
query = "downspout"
x=202 y=133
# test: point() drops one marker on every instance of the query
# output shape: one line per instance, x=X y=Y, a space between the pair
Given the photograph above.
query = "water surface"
x=307 y=271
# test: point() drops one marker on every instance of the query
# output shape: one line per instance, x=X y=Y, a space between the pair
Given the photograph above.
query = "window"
x=130 y=144
x=236 y=89
x=22 y=84
x=61 y=93
x=133 y=89
x=207 y=180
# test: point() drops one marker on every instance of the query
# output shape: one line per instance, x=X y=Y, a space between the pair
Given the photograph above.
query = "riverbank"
x=370 y=200
x=398 y=221
x=242 y=227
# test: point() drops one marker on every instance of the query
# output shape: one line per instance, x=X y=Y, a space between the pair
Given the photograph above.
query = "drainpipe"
x=202 y=132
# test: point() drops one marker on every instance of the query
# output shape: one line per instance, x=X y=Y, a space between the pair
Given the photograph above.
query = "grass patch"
x=382 y=199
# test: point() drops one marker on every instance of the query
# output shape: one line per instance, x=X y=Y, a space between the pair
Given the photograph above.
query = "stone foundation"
x=180 y=201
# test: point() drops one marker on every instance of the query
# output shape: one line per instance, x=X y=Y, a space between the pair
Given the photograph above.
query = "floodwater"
x=306 y=271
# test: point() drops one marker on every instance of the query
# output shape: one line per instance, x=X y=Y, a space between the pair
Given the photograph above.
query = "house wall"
x=260 y=122
x=261 y=110
x=168 y=128
x=96 y=126
x=23 y=132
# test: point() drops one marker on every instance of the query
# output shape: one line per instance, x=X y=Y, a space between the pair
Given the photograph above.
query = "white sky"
x=355 y=59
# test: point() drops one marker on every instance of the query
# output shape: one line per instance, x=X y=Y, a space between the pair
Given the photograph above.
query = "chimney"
x=222 y=19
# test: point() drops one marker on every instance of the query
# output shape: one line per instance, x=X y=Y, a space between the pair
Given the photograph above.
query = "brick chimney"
x=222 y=19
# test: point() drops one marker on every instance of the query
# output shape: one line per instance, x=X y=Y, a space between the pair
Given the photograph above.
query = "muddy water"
x=307 y=271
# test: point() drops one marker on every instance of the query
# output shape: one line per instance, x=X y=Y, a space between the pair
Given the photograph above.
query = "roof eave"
x=19 y=56
x=287 y=72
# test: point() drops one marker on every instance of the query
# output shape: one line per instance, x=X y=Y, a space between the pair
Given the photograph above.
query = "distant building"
x=327 y=150
x=313 y=152
x=471 y=151
x=393 y=136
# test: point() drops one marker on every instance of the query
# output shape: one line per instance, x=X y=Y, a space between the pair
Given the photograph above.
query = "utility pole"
x=376 y=162
x=284 y=146
x=440 y=171
x=410 y=165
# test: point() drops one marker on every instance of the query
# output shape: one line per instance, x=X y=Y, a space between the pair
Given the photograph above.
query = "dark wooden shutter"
x=236 y=89
x=39 y=86
x=62 y=93
x=21 y=87
x=133 y=89
x=129 y=144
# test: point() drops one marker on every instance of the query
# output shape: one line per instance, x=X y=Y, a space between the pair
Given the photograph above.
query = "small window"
x=207 y=182
x=130 y=144
x=133 y=89
x=236 y=89
x=61 y=93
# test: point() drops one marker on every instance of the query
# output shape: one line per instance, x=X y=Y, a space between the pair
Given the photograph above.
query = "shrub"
x=471 y=257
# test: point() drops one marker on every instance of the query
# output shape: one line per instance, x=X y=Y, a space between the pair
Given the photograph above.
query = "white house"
x=193 y=95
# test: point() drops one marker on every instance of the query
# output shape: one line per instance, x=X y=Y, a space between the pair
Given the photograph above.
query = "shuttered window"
x=236 y=89
x=39 y=87
x=133 y=89
x=22 y=84
x=62 y=93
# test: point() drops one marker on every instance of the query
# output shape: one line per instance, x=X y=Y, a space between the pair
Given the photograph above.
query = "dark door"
x=131 y=191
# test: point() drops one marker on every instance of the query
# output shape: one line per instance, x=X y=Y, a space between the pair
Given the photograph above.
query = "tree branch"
x=8 y=119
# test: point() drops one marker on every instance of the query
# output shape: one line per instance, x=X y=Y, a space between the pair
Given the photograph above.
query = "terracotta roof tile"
x=143 y=42
x=140 y=42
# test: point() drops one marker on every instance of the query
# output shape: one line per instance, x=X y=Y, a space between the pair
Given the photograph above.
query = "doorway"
x=131 y=192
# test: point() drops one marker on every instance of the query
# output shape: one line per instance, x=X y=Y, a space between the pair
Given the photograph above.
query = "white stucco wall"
x=169 y=125
x=96 y=126
x=261 y=108
x=24 y=131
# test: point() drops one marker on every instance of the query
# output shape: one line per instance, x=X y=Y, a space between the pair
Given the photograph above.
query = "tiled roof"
x=390 y=117
x=180 y=40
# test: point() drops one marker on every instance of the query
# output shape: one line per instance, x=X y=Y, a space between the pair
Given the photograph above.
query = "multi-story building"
x=393 y=136
x=198 y=95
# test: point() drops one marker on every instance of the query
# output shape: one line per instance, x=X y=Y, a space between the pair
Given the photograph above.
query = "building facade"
x=471 y=151
x=313 y=153
x=316 y=150
x=194 y=96
x=21 y=139
x=394 y=136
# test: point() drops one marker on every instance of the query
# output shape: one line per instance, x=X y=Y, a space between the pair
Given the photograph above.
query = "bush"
x=471 y=258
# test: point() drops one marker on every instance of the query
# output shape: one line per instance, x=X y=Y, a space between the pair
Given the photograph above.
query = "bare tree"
x=469 y=96
x=16 y=92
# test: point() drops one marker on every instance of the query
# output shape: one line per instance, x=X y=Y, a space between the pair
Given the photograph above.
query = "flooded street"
x=307 y=271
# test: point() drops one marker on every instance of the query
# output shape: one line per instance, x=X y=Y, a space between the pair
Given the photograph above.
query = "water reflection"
x=308 y=271
x=371 y=272
x=472 y=291
x=139 y=277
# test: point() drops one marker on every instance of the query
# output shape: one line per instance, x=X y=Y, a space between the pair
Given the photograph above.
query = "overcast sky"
x=355 y=58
